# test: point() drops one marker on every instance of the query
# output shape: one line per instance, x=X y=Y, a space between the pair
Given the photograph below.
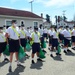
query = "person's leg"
x=73 y=42
x=0 y=57
x=57 y=51
x=52 y=51
x=16 y=55
x=50 y=45
x=11 y=57
x=38 y=58
x=33 y=52
x=5 y=59
x=33 y=58
x=25 y=52
x=10 y=65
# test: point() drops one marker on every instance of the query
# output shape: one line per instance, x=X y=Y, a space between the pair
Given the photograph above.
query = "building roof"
x=71 y=22
x=20 y=13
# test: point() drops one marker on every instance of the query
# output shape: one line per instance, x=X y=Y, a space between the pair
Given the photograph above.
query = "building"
x=23 y=17
x=66 y=23
x=70 y=23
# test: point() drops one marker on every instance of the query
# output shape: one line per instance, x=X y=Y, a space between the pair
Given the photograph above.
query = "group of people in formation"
x=16 y=36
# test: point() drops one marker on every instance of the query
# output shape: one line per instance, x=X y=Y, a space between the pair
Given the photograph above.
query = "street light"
x=31 y=2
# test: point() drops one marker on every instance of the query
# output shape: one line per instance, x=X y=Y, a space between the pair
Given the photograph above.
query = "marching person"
x=45 y=31
x=73 y=38
x=23 y=37
x=41 y=37
x=50 y=31
x=54 y=42
x=35 y=37
x=60 y=34
x=67 y=39
x=12 y=34
x=3 y=43
x=4 y=28
x=31 y=30
x=28 y=34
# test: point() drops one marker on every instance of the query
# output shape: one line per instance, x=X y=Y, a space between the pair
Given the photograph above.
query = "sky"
x=51 y=7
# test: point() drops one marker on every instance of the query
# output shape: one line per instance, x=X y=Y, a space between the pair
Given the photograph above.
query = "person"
x=60 y=34
x=54 y=42
x=4 y=28
x=12 y=34
x=45 y=31
x=28 y=34
x=19 y=27
x=35 y=37
x=73 y=38
x=3 y=43
x=23 y=37
x=41 y=37
x=31 y=30
x=50 y=31
x=67 y=39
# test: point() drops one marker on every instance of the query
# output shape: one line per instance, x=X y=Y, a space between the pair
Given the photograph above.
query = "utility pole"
x=31 y=2
x=74 y=14
x=63 y=17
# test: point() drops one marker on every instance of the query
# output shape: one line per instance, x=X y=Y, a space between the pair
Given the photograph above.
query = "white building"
x=25 y=17
x=66 y=23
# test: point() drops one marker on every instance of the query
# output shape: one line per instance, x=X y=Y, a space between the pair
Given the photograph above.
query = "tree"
x=64 y=18
x=47 y=18
x=56 y=19
x=59 y=18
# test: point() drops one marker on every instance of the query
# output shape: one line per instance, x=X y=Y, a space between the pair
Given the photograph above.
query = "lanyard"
x=22 y=32
x=15 y=31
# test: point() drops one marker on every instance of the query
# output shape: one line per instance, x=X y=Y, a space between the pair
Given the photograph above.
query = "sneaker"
x=51 y=55
x=27 y=55
x=33 y=62
x=10 y=69
x=44 y=51
x=73 y=48
x=39 y=59
x=58 y=54
x=65 y=52
x=6 y=60
x=68 y=50
x=19 y=65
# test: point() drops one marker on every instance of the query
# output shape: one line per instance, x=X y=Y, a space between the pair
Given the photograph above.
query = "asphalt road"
x=64 y=65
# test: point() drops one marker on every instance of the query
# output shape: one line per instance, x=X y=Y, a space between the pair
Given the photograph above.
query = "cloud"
x=57 y=3
x=13 y=1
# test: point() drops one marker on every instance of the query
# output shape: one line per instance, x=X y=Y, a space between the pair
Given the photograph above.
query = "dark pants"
x=23 y=42
x=14 y=45
x=35 y=48
x=2 y=47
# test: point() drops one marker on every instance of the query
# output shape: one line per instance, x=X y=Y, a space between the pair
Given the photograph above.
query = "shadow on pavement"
x=24 y=59
x=58 y=58
x=70 y=54
x=3 y=63
x=37 y=65
x=17 y=71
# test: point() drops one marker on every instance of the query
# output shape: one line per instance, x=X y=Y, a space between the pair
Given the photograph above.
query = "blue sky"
x=51 y=7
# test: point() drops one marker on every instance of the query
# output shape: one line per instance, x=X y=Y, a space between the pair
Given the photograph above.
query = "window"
x=8 y=23
x=35 y=24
